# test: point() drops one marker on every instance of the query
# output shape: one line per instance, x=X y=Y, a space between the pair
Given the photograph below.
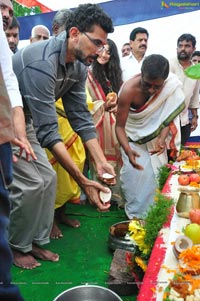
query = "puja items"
x=182 y=243
x=111 y=97
x=183 y=288
x=193 y=232
x=191 y=160
x=193 y=179
x=188 y=199
x=105 y=197
x=185 y=285
x=187 y=155
x=194 y=216
x=118 y=238
x=108 y=178
x=189 y=261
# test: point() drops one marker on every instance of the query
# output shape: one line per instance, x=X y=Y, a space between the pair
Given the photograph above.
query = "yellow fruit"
x=193 y=232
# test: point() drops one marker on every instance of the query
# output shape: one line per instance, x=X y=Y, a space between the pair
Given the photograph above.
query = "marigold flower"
x=137 y=233
x=141 y=263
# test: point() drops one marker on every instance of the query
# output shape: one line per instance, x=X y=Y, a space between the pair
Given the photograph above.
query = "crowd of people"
x=85 y=113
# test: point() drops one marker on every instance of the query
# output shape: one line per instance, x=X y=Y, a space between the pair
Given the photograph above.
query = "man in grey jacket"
x=47 y=71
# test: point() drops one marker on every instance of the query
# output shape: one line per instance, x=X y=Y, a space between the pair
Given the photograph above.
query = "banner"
x=31 y=3
x=121 y=11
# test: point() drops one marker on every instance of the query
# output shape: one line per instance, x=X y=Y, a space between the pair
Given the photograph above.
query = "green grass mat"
x=84 y=256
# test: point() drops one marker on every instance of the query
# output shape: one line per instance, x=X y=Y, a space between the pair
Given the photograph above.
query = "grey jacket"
x=43 y=78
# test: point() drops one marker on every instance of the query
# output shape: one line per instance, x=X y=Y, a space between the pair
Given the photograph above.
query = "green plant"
x=163 y=174
x=144 y=233
x=157 y=215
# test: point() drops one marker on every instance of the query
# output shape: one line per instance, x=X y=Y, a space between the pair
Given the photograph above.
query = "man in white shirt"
x=6 y=8
x=10 y=79
x=12 y=34
x=131 y=64
x=11 y=82
x=126 y=49
x=39 y=33
x=185 y=47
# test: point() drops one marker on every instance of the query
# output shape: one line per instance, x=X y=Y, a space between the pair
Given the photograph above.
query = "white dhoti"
x=142 y=128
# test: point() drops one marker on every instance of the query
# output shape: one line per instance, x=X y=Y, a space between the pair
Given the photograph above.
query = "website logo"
x=164 y=5
x=180 y=5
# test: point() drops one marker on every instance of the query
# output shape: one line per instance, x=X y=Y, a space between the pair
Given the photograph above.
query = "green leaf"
x=193 y=71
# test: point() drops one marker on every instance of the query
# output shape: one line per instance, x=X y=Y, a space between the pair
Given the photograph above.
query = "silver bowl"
x=88 y=293
x=120 y=242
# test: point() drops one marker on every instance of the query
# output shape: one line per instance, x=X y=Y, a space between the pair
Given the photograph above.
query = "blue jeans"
x=8 y=291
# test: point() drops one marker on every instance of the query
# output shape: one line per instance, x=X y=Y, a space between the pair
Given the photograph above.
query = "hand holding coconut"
x=98 y=195
x=106 y=173
x=108 y=179
x=105 y=197
x=111 y=102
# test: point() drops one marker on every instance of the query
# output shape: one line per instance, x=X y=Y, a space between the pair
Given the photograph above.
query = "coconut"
x=182 y=243
x=105 y=196
x=111 y=96
x=108 y=178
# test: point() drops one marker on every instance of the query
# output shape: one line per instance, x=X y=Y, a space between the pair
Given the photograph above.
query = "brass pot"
x=119 y=240
x=188 y=199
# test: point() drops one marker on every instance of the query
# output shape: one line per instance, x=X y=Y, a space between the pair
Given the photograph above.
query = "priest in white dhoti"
x=147 y=125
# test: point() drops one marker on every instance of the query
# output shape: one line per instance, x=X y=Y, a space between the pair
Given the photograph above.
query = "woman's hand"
x=111 y=102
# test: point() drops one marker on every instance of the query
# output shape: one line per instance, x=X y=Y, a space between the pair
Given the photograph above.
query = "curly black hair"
x=111 y=71
x=85 y=16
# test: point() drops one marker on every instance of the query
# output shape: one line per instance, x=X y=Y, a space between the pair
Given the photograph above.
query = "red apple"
x=194 y=216
x=194 y=177
x=184 y=180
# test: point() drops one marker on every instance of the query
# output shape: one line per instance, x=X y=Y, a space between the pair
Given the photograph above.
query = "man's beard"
x=87 y=60
x=183 y=56
x=13 y=47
